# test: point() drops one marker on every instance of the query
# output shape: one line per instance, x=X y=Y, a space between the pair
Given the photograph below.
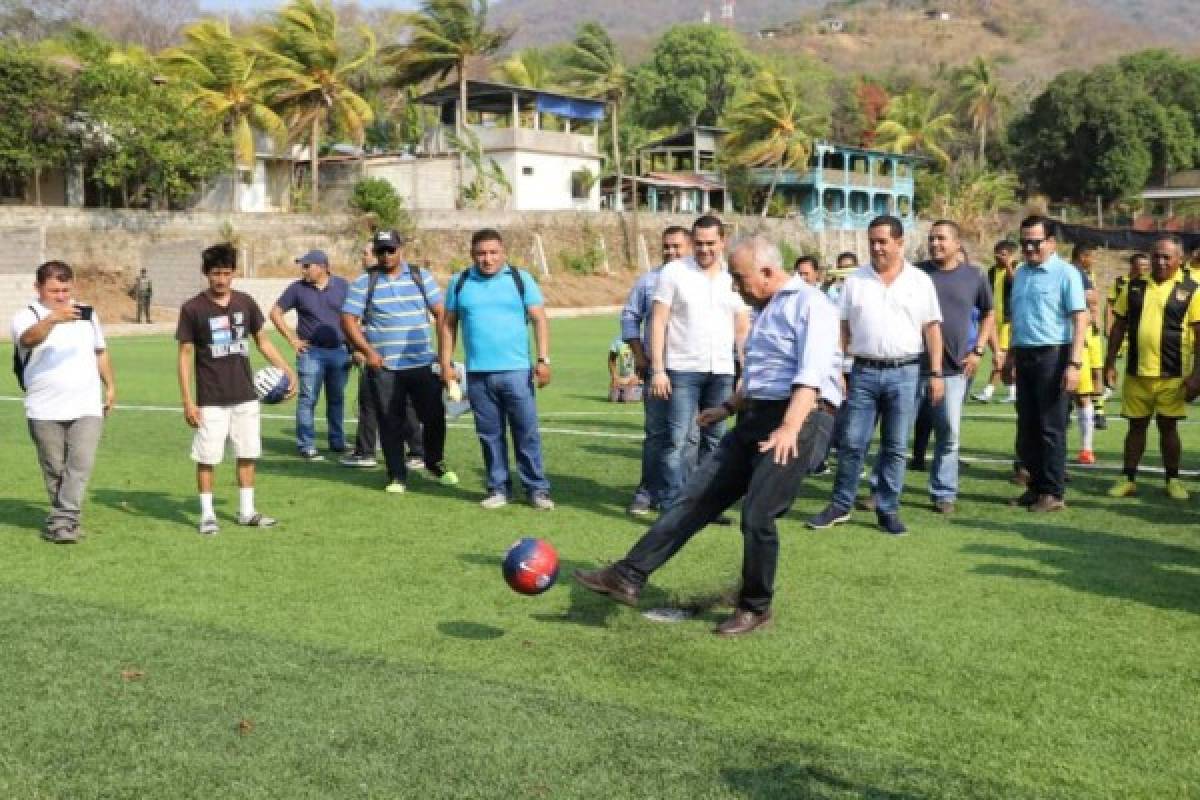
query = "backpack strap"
x=415 y=277
x=20 y=362
x=372 y=280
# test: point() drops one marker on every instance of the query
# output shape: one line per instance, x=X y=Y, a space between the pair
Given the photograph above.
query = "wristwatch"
x=935 y=373
x=545 y=361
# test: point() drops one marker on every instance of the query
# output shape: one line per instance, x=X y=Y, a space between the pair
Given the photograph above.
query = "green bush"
x=376 y=196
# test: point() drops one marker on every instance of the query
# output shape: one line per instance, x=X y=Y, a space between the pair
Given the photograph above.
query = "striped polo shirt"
x=398 y=325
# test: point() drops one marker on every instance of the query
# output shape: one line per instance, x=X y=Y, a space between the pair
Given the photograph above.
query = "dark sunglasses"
x=384 y=251
x=1032 y=244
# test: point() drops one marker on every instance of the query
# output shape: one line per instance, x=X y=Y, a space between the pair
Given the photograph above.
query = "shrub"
x=376 y=196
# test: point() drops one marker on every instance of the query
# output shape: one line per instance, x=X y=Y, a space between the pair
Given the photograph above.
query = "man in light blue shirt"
x=790 y=391
x=1049 y=325
x=635 y=322
x=494 y=301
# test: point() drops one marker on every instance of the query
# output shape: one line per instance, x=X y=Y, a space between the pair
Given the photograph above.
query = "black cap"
x=388 y=238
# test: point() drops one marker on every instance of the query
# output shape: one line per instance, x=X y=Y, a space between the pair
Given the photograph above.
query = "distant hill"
x=1041 y=37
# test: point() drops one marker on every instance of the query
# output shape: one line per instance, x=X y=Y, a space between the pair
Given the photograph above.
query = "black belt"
x=886 y=363
x=751 y=404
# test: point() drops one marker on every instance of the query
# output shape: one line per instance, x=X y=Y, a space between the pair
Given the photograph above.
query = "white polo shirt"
x=887 y=321
x=62 y=380
x=700 y=327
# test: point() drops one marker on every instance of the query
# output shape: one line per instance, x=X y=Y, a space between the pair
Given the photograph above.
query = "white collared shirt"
x=703 y=310
x=888 y=321
x=62 y=378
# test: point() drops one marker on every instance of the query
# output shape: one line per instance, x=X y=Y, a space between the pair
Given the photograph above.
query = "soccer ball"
x=271 y=384
x=531 y=566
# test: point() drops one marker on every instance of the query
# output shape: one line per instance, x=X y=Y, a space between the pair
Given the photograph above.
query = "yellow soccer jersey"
x=1159 y=317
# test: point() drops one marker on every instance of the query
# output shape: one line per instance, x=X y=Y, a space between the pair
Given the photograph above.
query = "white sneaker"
x=208 y=526
x=541 y=501
x=358 y=460
x=494 y=500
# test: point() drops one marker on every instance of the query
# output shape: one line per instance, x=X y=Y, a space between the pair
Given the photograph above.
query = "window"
x=526 y=170
x=582 y=181
x=12 y=187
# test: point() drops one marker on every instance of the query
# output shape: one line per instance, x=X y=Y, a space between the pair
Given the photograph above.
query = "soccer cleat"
x=1086 y=457
x=1176 y=489
x=208 y=526
x=1123 y=488
x=445 y=477
x=256 y=520
x=395 y=487
x=1101 y=422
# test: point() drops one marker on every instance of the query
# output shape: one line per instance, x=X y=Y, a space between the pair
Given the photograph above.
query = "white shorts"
x=239 y=424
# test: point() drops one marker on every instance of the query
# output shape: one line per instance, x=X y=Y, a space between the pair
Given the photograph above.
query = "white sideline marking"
x=1099 y=467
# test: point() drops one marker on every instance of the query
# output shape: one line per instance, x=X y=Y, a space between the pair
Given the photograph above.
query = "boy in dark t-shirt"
x=214 y=332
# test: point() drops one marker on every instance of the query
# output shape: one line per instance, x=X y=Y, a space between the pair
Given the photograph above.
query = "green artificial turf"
x=368 y=647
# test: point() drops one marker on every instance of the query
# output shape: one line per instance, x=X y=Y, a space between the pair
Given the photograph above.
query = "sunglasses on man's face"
x=1031 y=244
x=384 y=251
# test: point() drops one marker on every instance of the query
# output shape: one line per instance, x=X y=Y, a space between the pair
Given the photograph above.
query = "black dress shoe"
x=606 y=581
x=741 y=622
x=1027 y=498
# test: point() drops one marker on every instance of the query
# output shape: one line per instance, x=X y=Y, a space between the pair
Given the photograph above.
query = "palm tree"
x=912 y=124
x=313 y=70
x=595 y=66
x=770 y=128
x=224 y=76
x=528 y=67
x=448 y=36
x=982 y=99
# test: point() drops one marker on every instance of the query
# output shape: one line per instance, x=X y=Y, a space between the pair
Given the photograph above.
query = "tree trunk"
x=37 y=186
x=236 y=184
x=314 y=161
x=771 y=190
x=619 y=196
x=460 y=126
x=982 y=145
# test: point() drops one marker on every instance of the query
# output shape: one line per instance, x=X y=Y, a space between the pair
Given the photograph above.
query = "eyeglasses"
x=384 y=251
x=1032 y=244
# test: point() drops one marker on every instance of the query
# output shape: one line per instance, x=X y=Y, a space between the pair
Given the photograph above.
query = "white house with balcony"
x=546 y=143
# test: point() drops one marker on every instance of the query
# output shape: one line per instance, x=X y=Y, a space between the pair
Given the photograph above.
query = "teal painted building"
x=844 y=187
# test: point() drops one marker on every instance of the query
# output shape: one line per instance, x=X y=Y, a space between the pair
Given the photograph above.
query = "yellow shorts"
x=1004 y=334
x=1093 y=359
x=1145 y=397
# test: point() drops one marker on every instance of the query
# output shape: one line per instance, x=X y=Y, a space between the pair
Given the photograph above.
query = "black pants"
x=1042 y=409
x=366 y=441
x=735 y=469
x=391 y=391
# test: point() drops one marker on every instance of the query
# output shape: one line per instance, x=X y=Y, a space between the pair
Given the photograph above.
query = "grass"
x=369 y=648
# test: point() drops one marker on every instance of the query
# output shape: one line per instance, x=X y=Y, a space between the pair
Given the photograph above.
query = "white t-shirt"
x=700 y=326
x=62 y=381
x=887 y=321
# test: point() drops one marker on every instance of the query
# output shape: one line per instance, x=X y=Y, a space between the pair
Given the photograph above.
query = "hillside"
x=1040 y=37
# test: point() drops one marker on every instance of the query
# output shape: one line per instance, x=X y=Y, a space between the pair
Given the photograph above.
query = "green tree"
x=913 y=123
x=33 y=116
x=982 y=99
x=691 y=76
x=447 y=37
x=224 y=76
x=595 y=66
x=143 y=139
x=489 y=183
x=312 y=72
x=529 y=67
x=770 y=126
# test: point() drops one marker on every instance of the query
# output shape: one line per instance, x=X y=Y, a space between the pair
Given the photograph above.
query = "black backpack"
x=19 y=361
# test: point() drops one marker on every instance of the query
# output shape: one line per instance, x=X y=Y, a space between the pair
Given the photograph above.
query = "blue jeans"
x=497 y=399
x=890 y=393
x=653 y=483
x=317 y=367
x=691 y=393
x=947 y=420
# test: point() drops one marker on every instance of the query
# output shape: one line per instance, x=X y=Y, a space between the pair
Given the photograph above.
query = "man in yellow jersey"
x=1161 y=316
x=1000 y=277
x=1087 y=416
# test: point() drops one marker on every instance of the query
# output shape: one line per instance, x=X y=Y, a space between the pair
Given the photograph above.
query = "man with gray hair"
x=786 y=403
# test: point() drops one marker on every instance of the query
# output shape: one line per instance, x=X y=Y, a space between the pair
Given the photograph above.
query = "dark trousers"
x=737 y=468
x=143 y=307
x=366 y=440
x=1042 y=409
x=391 y=391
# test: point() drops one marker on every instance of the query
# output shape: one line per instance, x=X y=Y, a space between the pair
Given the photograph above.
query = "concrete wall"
x=548 y=184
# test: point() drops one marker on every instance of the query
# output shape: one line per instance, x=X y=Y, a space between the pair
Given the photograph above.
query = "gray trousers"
x=66 y=451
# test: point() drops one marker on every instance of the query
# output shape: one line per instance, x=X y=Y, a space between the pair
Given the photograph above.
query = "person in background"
x=1000 y=276
x=322 y=360
x=624 y=383
x=1088 y=417
x=69 y=389
x=142 y=293
x=808 y=269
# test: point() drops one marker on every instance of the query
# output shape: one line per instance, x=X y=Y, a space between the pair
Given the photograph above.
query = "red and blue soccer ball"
x=531 y=566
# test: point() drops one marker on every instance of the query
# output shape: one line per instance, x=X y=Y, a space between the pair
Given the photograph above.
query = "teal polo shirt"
x=1043 y=301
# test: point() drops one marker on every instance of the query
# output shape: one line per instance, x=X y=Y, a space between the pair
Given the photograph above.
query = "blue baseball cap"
x=314 y=257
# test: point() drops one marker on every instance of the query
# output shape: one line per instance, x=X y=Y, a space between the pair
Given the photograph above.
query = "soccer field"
x=368 y=647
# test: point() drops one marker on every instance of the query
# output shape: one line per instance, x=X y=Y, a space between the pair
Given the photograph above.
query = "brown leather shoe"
x=865 y=503
x=606 y=581
x=944 y=507
x=743 y=621
x=1020 y=477
x=1047 y=503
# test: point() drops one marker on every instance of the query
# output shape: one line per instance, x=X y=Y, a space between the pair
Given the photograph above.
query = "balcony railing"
x=490 y=139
